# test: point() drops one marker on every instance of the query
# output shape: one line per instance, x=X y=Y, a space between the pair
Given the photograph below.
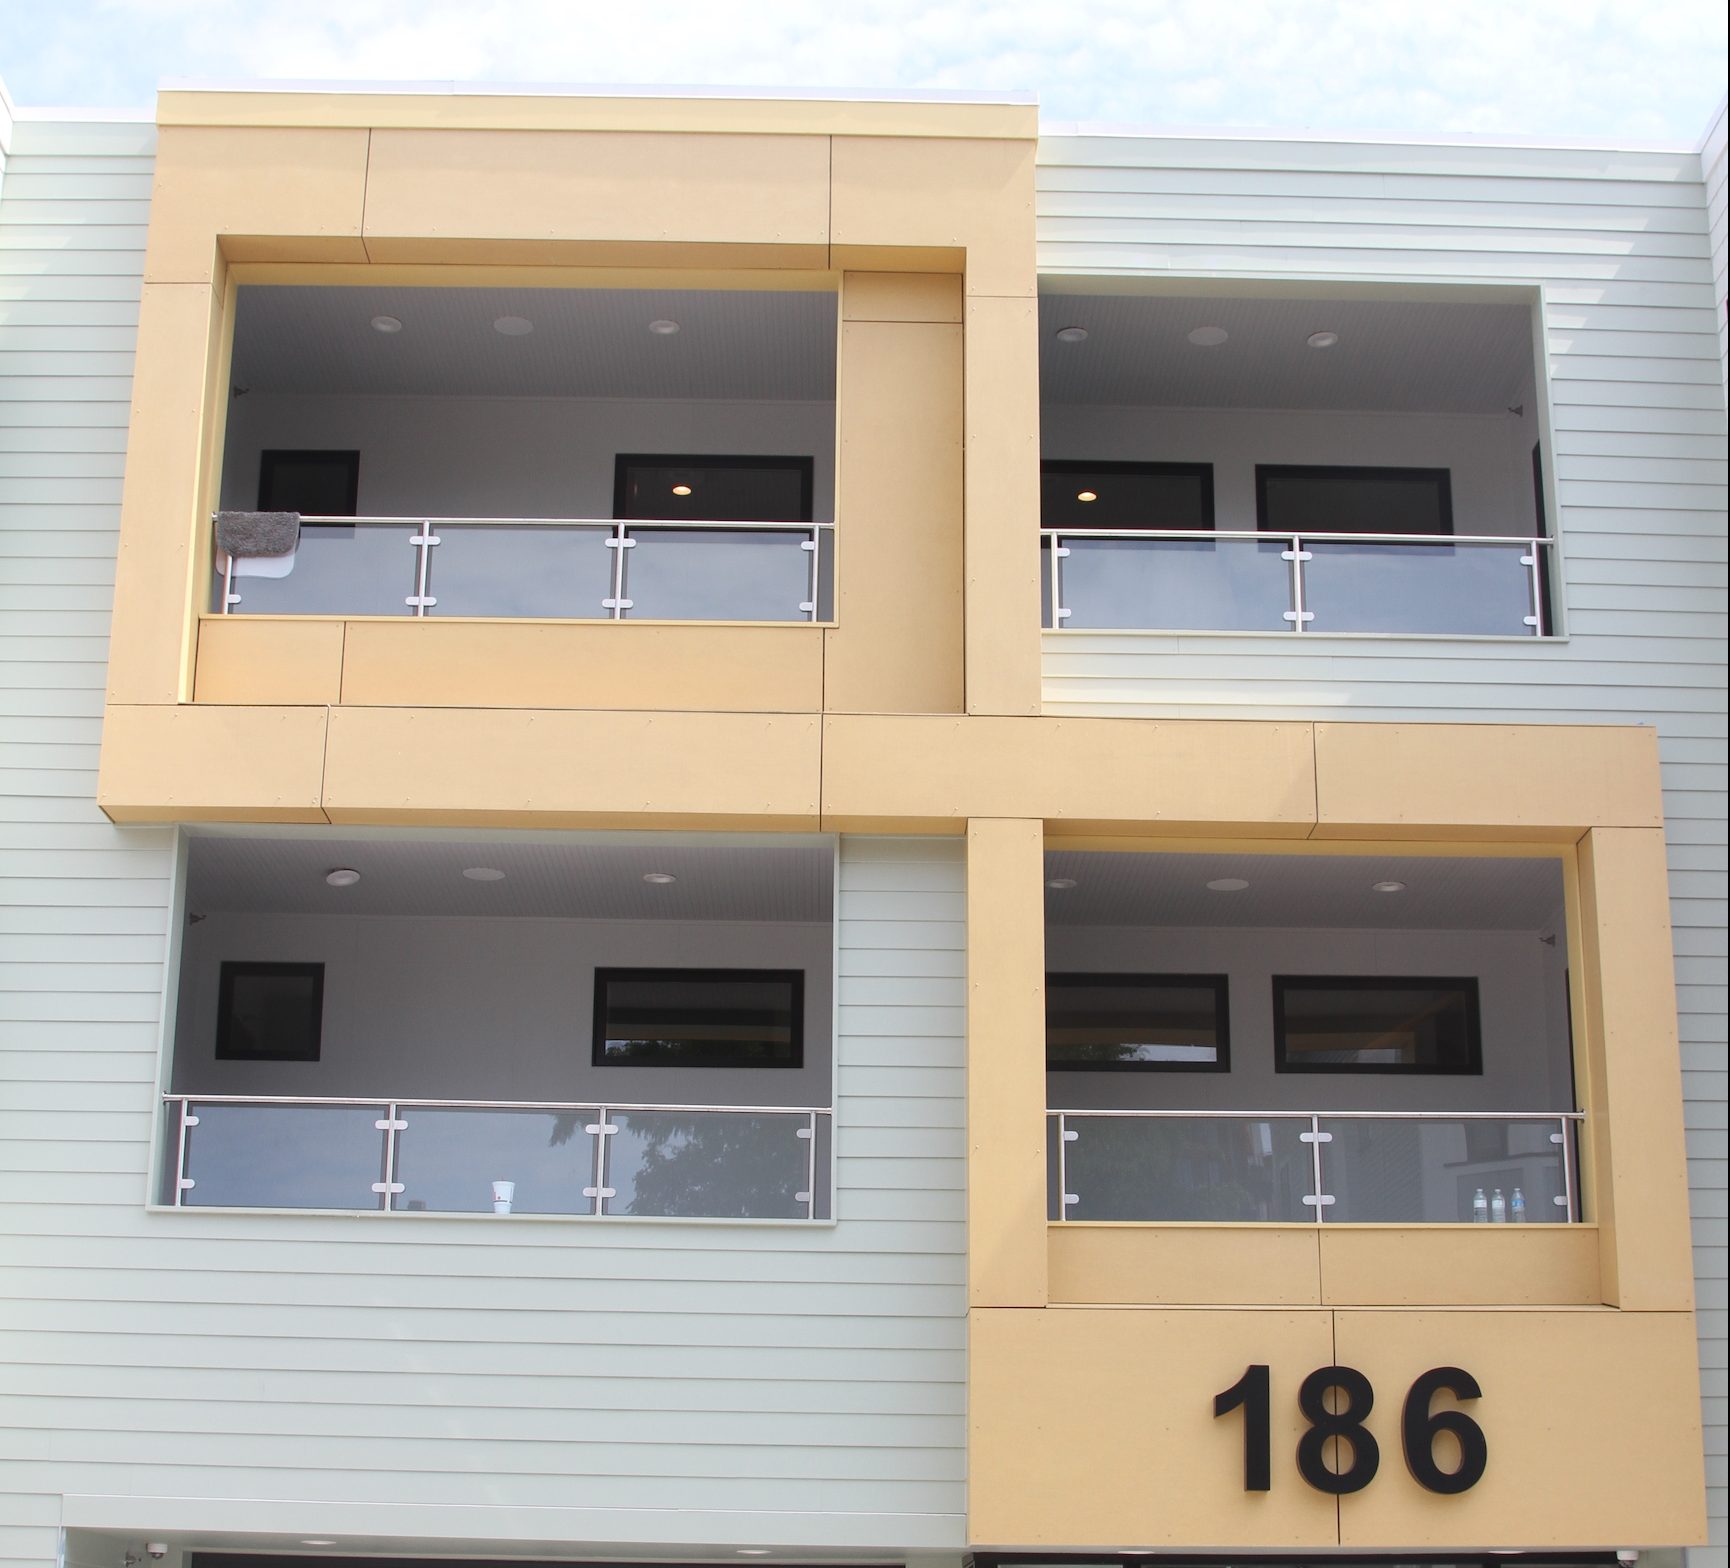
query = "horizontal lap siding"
x=646 y=1382
x=1629 y=250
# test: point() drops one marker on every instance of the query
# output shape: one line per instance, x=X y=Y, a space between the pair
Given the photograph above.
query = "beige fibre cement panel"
x=212 y=764
x=254 y=661
x=546 y=766
x=1184 y=1265
x=303 y=187
x=598 y=185
x=1591 y=1419
x=1512 y=777
x=975 y=196
x=1459 y=1266
x=1093 y=1428
x=900 y=296
x=1252 y=778
x=638 y=665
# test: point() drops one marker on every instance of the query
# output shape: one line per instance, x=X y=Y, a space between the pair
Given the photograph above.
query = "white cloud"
x=1574 y=68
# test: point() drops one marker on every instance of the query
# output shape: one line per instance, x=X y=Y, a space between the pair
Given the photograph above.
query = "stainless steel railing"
x=1233 y=581
x=1390 y=1167
x=584 y=1160
x=539 y=568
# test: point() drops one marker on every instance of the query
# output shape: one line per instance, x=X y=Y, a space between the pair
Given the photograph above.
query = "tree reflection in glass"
x=711 y=1165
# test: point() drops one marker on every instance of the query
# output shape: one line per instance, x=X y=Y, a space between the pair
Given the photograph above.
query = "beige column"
x=1006 y=1221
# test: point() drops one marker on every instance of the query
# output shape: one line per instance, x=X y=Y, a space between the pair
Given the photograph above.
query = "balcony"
x=592 y=1027
x=1309 y=1039
x=1214 y=463
x=530 y=453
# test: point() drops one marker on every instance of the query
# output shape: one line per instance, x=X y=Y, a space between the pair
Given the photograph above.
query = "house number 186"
x=1418 y=1429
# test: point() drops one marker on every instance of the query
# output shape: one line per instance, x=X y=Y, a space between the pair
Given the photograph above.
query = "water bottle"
x=1480 y=1208
x=1517 y=1208
x=1498 y=1209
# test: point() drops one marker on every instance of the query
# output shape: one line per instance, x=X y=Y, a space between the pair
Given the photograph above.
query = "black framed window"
x=712 y=489
x=1074 y=494
x=1301 y=499
x=1137 y=1023
x=315 y=484
x=1376 y=1024
x=268 y=1012
x=699 y=1018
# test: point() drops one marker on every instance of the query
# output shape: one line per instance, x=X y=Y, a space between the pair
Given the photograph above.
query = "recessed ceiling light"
x=751 y=1551
x=1072 y=334
x=1208 y=337
x=663 y=328
x=1062 y=884
x=1387 y=887
x=1086 y=495
x=1227 y=885
x=484 y=874
x=342 y=876
x=1322 y=339
x=386 y=324
x=319 y=1540
x=513 y=326
x=681 y=489
x=659 y=878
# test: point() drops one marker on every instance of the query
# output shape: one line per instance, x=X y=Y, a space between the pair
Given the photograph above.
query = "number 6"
x=1418 y=1429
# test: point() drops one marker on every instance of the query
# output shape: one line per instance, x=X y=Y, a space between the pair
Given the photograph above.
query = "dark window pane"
x=699 y=1018
x=270 y=1012
x=1117 y=1022
x=315 y=484
x=1353 y=500
x=713 y=489
x=1363 y=1024
x=1125 y=495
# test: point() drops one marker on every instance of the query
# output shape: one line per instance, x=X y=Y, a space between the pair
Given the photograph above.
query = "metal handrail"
x=781 y=525
x=1269 y=537
x=391 y=1124
x=1318 y=1200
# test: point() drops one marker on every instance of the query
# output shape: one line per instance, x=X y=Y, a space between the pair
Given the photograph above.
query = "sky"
x=1631 y=71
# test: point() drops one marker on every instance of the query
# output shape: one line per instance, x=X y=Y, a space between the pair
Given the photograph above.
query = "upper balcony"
x=530 y=453
x=1293 y=463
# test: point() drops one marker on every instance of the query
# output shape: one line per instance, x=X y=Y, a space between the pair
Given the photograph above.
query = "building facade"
x=836 y=831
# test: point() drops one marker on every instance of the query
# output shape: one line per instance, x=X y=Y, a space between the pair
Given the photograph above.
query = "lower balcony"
x=595 y=1027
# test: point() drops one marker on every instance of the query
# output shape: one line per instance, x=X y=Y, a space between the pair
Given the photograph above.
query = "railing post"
x=1315 y=1138
x=1535 y=578
x=809 y=1195
x=181 y=1180
x=1566 y=1201
x=420 y=601
x=815 y=545
x=229 y=597
x=1059 y=551
x=1297 y=614
x=390 y=1127
x=618 y=544
x=1065 y=1198
x=600 y=1132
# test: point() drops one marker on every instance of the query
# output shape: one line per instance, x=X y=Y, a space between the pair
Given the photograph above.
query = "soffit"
x=570 y=880
x=1321 y=892
x=746 y=344
x=1399 y=356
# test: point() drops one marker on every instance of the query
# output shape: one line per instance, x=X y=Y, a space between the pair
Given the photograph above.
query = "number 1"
x=1251 y=1392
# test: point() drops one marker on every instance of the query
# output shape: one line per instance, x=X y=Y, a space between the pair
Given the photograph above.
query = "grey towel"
x=258 y=533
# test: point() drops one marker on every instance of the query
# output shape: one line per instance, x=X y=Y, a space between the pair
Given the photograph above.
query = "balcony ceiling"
x=1331 y=892
x=1393 y=356
x=737 y=344
x=568 y=879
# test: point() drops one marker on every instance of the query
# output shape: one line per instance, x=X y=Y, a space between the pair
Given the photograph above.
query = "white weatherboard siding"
x=1712 y=162
x=543 y=1381
x=1618 y=243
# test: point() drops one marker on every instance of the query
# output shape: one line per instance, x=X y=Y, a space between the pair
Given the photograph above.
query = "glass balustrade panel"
x=338 y=569
x=448 y=1160
x=1187 y=1168
x=709 y=1164
x=284 y=1156
x=1430 y=589
x=695 y=574
x=1223 y=585
x=1429 y=1171
x=532 y=572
